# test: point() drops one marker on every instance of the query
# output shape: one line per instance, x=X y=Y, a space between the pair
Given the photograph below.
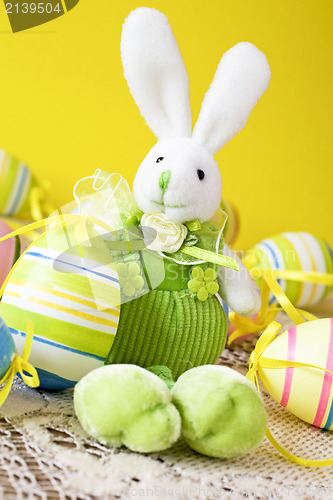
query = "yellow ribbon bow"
x=268 y=313
x=264 y=341
x=20 y=365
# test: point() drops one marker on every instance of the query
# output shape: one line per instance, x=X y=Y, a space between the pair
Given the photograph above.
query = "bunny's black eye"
x=160 y=158
x=201 y=174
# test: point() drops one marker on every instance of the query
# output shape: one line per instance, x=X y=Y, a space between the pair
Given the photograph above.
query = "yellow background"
x=65 y=108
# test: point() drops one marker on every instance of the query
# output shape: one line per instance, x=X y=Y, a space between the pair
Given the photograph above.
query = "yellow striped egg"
x=16 y=182
x=305 y=392
x=294 y=251
x=69 y=294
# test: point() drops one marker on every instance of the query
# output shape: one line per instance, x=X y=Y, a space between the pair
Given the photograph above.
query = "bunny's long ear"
x=156 y=74
x=241 y=78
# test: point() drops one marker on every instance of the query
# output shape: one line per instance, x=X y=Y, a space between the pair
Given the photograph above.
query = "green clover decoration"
x=203 y=283
x=130 y=279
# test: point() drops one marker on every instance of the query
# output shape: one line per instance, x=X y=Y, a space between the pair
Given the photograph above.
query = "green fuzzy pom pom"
x=222 y=413
x=127 y=405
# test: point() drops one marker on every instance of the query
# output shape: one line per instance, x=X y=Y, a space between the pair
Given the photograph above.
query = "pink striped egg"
x=10 y=250
x=305 y=392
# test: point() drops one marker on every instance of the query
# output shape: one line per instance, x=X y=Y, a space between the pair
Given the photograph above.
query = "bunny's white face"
x=180 y=178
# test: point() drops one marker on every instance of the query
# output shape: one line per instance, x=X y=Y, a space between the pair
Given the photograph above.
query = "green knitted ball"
x=171 y=328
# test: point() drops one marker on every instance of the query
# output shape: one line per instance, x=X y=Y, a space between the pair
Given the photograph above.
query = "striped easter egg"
x=10 y=250
x=294 y=251
x=305 y=392
x=16 y=183
x=27 y=237
x=70 y=295
x=7 y=348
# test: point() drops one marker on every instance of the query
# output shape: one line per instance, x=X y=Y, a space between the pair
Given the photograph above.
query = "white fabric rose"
x=161 y=234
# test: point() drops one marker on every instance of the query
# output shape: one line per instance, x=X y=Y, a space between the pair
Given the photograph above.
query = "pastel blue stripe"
x=42 y=340
x=35 y=254
x=329 y=421
x=226 y=309
x=53 y=382
x=17 y=200
x=271 y=251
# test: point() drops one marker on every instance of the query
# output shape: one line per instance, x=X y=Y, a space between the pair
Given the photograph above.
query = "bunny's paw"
x=127 y=405
x=222 y=413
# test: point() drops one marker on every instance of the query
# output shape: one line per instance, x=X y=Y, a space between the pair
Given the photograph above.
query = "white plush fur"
x=237 y=288
x=241 y=78
x=183 y=158
x=158 y=81
x=156 y=74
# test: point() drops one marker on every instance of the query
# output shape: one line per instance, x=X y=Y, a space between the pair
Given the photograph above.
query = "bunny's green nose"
x=164 y=180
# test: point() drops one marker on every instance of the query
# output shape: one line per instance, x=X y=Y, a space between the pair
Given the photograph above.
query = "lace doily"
x=45 y=454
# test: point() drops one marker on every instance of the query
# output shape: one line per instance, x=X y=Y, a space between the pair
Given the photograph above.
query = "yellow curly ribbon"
x=246 y=326
x=282 y=298
x=38 y=205
x=264 y=341
x=303 y=276
x=268 y=314
x=296 y=459
x=258 y=360
x=20 y=365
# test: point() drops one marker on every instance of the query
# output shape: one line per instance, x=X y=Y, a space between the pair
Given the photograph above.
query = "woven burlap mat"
x=44 y=454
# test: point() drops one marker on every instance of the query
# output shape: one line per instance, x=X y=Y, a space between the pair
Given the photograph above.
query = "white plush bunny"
x=161 y=380
x=179 y=176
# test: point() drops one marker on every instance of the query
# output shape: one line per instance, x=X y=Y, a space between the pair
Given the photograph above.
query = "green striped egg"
x=69 y=294
x=16 y=182
x=294 y=251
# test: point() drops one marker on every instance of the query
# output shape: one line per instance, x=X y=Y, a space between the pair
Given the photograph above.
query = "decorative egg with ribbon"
x=10 y=250
x=27 y=237
x=7 y=348
x=16 y=183
x=305 y=389
x=291 y=254
x=66 y=291
x=231 y=229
